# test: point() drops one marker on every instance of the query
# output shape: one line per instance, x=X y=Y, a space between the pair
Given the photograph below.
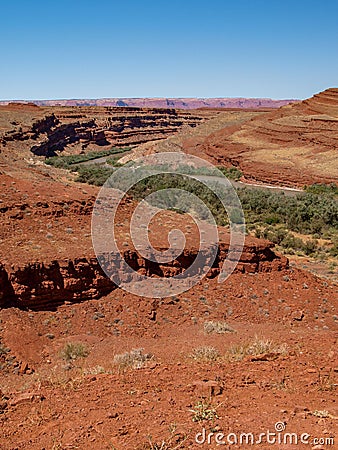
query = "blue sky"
x=214 y=48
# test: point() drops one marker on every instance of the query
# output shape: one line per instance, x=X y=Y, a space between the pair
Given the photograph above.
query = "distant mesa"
x=20 y=105
x=177 y=103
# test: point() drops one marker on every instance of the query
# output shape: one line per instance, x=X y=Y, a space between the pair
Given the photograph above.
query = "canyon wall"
x=48 y=130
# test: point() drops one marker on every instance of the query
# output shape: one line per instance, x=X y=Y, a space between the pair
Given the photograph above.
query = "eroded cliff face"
x=46 y=131
x=46 y=285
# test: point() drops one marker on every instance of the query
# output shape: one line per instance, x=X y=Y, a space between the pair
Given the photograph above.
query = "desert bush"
x=203 y=410
x=232 y=173
x=94 y=370
x=74 y=350
x=3 y=349
x=93 y=174
x=309 y=247
x=334 y=249
x=217 y=327
x=257 y=347
x=205 y=354
x=135 y=359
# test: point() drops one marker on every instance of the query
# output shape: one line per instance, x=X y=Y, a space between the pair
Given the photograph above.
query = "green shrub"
x=232 y=173
x=96 y=175
x=309 y=247
x=334 y=248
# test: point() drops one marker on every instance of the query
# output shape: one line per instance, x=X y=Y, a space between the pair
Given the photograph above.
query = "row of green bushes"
x=322 y=189
x=65 y=161
x=306 y=213
x=285 y=239
x=291 y=243
x=94 y=174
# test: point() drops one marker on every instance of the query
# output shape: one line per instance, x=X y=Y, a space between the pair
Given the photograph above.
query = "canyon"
x=44 y=131
x=132 y=372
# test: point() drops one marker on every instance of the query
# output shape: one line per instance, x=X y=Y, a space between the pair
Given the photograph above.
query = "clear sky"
x=174 y=48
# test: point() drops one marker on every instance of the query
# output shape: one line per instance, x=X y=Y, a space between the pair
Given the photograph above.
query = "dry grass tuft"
x=135 y=359
x=217 y=327
x=74 y=350
x=258 y=346
x=205 y=354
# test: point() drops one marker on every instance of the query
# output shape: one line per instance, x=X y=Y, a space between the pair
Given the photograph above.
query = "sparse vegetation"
x=205 y=354
x=135 y=359
x=217 y=327
x=164 y=445
x=326 y=381
x=257 y=347
x=203 y=410
x=94 y=370
x=74 y=350
x=287 y=240
x=174 y=442
x=322 y=414
x=3 y=350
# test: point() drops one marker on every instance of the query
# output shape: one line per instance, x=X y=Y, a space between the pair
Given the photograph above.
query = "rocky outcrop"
x=47 y=285
x=44 y=286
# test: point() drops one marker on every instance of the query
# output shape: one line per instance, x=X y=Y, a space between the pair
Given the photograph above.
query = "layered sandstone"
x=46 y=285
x=44 y=131
x=297 y=144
